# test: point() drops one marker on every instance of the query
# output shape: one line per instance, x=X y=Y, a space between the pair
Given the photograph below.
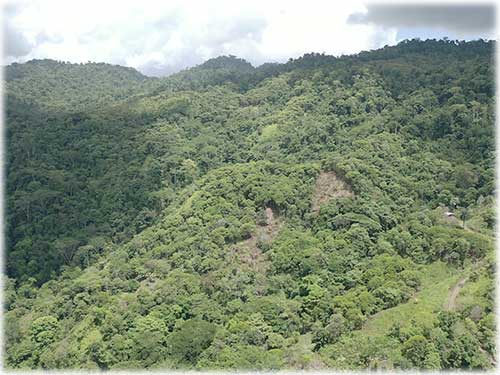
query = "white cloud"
x=462 y=18
x=161 y=37
x=298 y=30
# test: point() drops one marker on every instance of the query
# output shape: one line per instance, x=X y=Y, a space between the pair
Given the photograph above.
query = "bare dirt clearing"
x=328 y=186
x=249 y=251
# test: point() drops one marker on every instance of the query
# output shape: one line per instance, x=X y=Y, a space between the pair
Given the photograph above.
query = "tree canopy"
x=329 y=212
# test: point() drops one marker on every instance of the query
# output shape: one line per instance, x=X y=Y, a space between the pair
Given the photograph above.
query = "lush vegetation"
x=323 y=213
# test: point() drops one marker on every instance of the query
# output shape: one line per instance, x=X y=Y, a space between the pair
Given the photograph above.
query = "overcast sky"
x=162 y=37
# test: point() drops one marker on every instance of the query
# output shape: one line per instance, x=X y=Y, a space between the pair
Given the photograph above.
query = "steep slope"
x=176 y=225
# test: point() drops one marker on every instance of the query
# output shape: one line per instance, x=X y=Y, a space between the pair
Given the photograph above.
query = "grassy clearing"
x=437 y=281
x=475 y=292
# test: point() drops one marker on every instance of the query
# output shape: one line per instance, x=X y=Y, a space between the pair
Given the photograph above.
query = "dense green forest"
x=329 y=212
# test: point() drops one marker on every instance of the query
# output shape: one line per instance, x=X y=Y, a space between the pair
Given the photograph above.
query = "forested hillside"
x=323 y=213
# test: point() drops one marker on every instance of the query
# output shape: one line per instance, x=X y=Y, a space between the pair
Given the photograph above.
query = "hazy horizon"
x=160 y=39
x=234 y=56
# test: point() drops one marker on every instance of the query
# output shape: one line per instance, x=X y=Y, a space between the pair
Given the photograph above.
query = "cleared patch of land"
x=249 y=251
x=437 y=281
x=328 y=186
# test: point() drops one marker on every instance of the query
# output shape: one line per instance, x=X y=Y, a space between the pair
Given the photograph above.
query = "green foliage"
x=177 y=223
x=189 y=341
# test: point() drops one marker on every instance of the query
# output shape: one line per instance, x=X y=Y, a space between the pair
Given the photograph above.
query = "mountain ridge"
x=236 y=218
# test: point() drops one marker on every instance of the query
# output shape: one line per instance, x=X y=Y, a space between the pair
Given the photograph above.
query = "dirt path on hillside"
x=451 y=303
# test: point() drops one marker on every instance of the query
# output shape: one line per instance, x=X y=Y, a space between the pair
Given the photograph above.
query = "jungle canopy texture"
x=329 y=212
